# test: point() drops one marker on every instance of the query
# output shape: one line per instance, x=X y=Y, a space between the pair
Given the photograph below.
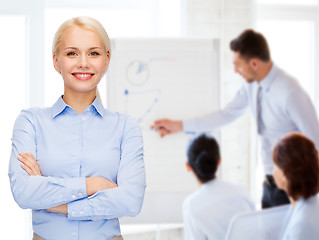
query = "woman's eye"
x=71 y=54
x=94 y=53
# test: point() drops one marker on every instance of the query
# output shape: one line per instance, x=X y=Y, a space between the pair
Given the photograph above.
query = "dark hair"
x=203 y=156
x=297 y=157
x=251 y=44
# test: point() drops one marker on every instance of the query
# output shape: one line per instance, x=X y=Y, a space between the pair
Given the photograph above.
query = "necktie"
x=260 y=123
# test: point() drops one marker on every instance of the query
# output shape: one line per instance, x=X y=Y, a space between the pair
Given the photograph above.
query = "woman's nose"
x=84 y=62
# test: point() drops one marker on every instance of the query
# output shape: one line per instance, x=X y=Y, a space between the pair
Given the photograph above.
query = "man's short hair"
x=251 y=44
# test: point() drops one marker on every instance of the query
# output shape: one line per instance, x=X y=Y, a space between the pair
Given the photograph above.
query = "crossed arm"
x=93 y=184
x=92 y=198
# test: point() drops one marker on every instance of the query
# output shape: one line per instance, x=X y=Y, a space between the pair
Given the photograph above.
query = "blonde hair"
x=85 y=23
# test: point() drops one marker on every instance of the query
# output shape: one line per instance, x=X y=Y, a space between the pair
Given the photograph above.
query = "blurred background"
x=29 y=79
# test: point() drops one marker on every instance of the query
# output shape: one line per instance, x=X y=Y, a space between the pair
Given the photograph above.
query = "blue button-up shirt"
x=301 y=221
x=70 y=147
x=285 y=108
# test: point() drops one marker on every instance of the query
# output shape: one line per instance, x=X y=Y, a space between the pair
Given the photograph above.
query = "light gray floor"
x=152 y=232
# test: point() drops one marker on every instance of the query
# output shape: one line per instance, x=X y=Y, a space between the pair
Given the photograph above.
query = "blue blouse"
x=70 y=147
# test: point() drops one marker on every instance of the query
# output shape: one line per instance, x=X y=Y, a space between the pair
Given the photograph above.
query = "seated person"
x=208 y=211
x=296 y=172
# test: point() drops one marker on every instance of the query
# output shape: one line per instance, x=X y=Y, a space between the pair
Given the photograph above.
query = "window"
x=291 y=28
x=292 y=52
x=289 y=2
x=145 y=19
x=137 y=25
x=13 y=98
x=24 y=56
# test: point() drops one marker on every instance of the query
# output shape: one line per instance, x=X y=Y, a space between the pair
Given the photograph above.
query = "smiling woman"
x=78 y=166
x=82 y=61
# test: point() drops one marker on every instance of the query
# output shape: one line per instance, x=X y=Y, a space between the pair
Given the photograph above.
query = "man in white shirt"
x=276 y=100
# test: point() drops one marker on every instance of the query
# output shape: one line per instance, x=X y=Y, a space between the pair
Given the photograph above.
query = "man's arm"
x=167 y=126
x=302 y=112
x=209 y=122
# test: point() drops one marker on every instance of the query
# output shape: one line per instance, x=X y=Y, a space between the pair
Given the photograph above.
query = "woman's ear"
x=56 y=63
x=108 y=56
x=284 y=180
x=188 y=167
x=219 y=162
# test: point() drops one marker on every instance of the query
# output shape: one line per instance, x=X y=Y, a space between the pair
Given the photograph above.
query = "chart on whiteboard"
x=164 y=78
x=140 y=99
x=152 y=79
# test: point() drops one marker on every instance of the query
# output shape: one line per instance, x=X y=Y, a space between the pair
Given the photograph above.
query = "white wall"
x=223 y=19
x=226 y=19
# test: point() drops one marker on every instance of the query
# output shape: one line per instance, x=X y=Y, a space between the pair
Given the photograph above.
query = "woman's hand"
x=63 y=209
x=95 y=184
x=29 y=164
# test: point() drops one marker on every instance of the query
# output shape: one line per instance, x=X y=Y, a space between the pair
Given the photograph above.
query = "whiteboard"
x=164 y=78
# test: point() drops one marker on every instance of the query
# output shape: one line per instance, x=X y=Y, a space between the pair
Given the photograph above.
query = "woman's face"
x=81 y=60
x=280 y=178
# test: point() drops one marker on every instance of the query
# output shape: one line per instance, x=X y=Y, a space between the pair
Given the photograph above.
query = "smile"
x=83 y=76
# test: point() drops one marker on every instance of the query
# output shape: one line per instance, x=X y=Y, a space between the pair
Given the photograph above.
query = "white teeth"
x=83 y=75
